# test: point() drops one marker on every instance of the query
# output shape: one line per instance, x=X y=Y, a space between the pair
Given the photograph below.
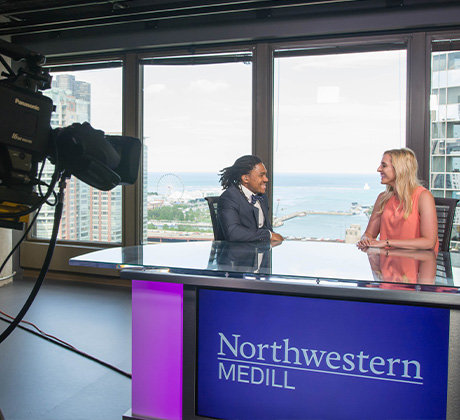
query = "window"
x=197 y=120
x=335 y=115
x=92 y=96
x=198 y=112
x=445 y=125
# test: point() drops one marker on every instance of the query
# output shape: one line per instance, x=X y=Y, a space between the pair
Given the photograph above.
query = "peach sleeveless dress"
x=394 y=226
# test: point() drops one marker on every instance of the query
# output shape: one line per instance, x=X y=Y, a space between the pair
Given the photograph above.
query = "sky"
x=338 y=113
x=334 y=114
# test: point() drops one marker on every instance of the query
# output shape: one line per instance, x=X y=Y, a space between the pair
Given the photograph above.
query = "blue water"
x=303 y=192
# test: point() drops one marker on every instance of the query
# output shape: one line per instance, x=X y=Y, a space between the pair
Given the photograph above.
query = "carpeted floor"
x=40 y=380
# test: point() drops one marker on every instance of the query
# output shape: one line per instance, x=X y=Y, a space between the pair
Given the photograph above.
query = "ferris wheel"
x=170 y=186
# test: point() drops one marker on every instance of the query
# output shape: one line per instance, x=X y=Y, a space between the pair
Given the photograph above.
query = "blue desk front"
x=302 y=330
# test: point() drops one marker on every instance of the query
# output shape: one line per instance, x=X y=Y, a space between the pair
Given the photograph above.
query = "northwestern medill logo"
x=270 y=364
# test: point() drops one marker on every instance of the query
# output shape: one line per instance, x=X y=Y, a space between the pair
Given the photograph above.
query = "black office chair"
x=445 y=209
x=212 y=203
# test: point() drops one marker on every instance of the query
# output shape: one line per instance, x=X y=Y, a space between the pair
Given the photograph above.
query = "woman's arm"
x=428 y=228
x=373 y=227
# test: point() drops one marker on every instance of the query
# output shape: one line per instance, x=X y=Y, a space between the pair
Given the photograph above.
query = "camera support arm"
x=18 y=53
x=33 y=68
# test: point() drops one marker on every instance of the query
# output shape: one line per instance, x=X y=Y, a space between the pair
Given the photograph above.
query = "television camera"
x=26 y=141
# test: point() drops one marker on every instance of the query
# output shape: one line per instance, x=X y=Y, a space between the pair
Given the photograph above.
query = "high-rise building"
x=445 y=130
x=89 y=214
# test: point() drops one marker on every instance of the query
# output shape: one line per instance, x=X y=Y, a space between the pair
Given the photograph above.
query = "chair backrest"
x=212 y=203
x=445 y=209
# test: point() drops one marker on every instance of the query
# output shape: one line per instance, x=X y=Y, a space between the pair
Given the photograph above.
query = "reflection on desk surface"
x=410 y=267
x=247 y=257
x=291 y=261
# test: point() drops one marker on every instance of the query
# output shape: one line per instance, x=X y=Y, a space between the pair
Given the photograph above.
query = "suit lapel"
x=255 y=210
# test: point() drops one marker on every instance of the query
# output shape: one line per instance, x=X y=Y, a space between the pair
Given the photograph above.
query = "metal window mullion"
x=132 y=220
x=263 y=109
x=418 y=97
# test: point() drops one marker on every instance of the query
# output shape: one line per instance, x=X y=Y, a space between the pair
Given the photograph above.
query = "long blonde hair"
x=405 y=165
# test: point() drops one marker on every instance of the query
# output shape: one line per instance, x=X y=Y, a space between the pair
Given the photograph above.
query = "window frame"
x=33 y=250
x=417 y=121
x=198 y=56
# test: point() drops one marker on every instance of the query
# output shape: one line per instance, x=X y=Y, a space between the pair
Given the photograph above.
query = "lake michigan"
x=297 y=193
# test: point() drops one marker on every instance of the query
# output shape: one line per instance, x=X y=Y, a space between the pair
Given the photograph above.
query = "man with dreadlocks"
x=242 y=209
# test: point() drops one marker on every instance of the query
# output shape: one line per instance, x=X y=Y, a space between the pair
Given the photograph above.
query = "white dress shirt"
x=248 y=194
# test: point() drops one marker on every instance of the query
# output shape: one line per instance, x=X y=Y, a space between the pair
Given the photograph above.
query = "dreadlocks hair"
x=242 y=166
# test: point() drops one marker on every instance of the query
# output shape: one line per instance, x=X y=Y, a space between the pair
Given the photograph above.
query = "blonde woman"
x=404 y=215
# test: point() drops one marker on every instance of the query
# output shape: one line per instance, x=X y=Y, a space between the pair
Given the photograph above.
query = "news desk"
x=302 y=330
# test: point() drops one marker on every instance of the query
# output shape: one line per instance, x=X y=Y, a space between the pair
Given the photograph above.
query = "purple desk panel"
x=157 y=350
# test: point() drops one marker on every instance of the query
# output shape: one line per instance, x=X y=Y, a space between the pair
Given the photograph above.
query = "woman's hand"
x=367 y=242
x=364 y=242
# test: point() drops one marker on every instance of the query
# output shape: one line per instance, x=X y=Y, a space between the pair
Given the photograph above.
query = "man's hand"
x=276 y=237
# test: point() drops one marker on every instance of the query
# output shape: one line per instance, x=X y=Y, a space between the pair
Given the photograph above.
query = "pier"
x=355 y=209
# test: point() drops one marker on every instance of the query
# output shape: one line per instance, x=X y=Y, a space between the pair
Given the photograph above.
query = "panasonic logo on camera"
x=16 y=136
x=272 y=364
x=26 y=104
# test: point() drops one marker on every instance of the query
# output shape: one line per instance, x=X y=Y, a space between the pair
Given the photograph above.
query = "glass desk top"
x=290 y=261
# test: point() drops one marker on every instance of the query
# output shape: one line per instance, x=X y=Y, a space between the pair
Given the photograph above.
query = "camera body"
x=24 y=130
x=24 y=137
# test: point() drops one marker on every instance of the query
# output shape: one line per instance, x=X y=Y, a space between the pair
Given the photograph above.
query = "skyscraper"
x=445 y=130
x=89 y=214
